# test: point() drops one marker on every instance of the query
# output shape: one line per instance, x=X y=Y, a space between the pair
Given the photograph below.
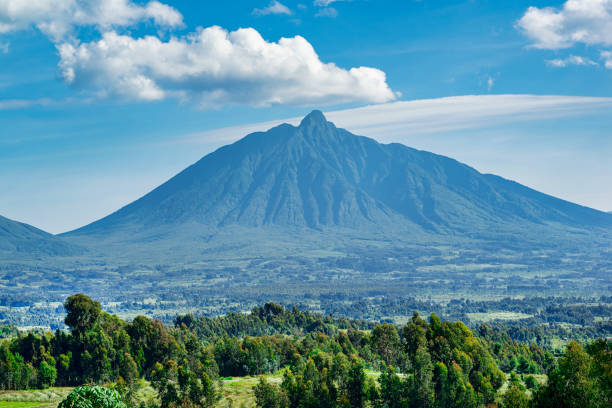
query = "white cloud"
x=490 y=83
x=325 y=3
x=211 y=67
x=577 y=21
x=215 y=67
x=607 y=57
x=57 y=18
x=571 y=60
x=4 y=47
x=9 y=104
x=327 y=12
x=407 y=121
x=405 y=118
x=274 y=7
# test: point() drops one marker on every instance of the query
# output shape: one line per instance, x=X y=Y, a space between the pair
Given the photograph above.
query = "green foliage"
x=393 y=392
x=531 y=382
x=524 y=357
x=269 y=395
x=180 y=386
x=268 y=319
x=515 y=397
x=581 y=380
x=387 y=343
x=438 y=363
x=82 y=313
x=46 y=374
x=92 y=397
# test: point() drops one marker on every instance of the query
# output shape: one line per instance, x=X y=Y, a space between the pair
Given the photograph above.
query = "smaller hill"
x=19 y=239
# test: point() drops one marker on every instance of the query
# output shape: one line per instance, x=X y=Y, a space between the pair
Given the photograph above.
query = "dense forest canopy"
x=425 y=363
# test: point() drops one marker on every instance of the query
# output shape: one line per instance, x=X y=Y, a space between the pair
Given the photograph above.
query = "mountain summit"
x=320 y=178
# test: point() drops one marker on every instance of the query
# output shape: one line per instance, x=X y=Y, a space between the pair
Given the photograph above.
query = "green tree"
x=414 y=335
x=393 y=392
x=355 y=384
x=531 y=382
x=92 y=397
x=569 y=385
x=423 y=393
x=46 y=374
x=515 y=397
x=269 y=395
x=601 y=369
x=83 y=313
x=386 y=342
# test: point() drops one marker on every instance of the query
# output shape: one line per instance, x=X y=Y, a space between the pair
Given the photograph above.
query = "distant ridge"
x=22 y=239
x=316 y=177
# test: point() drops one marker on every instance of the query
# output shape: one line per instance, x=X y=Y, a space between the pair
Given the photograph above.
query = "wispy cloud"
x=275 y=7
x=4 y=47
x=571 y=60
x=7 y=104
x=396 y=121
x=327 y=12
x=607 y=57
x=325 y=3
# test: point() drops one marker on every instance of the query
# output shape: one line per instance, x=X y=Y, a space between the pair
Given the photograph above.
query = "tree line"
x=426 y=363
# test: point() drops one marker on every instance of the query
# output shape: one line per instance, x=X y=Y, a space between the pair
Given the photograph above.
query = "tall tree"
x=569 y=385
x=83 y=313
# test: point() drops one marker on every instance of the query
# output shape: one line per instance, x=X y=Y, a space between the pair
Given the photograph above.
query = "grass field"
x=33 y=398
x=19 y=404
x=498 y=315
x=236 y=392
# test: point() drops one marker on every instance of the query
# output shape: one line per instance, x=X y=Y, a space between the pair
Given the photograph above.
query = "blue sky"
x=100 y=101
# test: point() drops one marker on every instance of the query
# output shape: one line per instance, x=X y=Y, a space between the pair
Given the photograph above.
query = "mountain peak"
x=318 y=176
x=314 y=118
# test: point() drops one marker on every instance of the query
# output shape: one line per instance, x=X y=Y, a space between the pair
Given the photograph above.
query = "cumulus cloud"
x=274 y=7
x=215 y=67
x=571 y=60
x=210 y=66
x=57 y=18
x=577 y=21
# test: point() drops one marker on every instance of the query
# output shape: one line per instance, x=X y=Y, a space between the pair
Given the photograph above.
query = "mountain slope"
x=316 y=177
x=22 y=239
